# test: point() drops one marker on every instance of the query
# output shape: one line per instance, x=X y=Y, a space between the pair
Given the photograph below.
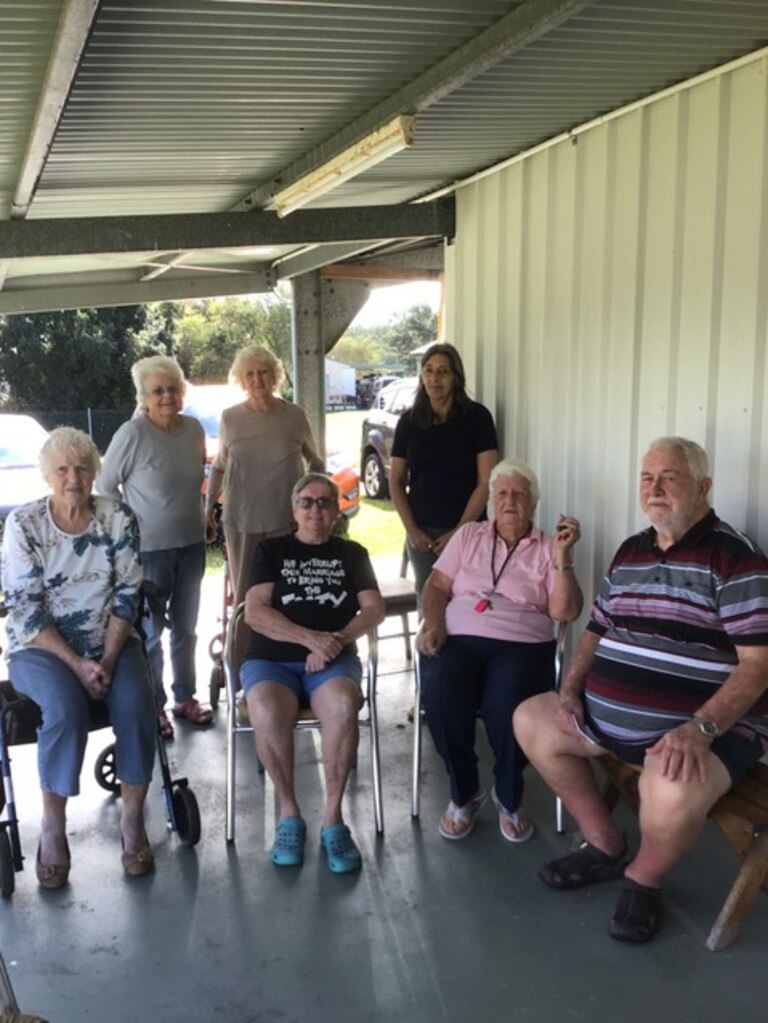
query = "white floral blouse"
x=72 y=581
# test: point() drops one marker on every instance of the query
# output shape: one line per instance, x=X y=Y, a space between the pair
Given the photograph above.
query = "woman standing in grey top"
x=265 y=446
x=155 y=464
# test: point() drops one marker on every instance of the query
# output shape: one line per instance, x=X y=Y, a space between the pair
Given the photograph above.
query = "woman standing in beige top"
x=265 y=446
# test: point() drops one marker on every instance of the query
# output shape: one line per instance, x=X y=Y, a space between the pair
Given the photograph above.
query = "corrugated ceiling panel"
x=219 y=96
x=26 y=35
x=600 y=60
x=613 y=290
x=609 y=55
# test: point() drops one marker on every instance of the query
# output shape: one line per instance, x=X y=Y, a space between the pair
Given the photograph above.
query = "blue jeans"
x=176 y=574
x=422 y=561
x=472 y=676
x=63 y=734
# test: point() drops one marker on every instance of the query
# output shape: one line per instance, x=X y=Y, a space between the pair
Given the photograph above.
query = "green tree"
x=414 y=328
x=275 y=327
x=388 y=346
x=209 y=332
x=357 y=349
x=158 y=336
x=70 y=359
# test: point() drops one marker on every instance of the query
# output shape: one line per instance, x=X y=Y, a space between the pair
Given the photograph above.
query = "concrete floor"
x=428 y=931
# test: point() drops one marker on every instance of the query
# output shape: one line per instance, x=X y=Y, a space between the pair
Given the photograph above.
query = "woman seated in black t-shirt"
x=442 y=454
x=311 y=596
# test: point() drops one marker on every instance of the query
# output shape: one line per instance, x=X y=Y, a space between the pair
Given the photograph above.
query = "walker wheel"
x=105 y=769
x=187 y=814
x=7 y=874
x=216 y=684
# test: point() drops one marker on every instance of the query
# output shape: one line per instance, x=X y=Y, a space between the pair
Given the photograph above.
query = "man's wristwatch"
x=706 y=727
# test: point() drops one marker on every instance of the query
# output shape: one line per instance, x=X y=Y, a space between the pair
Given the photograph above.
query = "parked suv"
x=378 y=432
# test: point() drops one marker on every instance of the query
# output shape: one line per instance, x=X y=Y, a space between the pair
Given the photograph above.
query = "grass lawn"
x=377 y=527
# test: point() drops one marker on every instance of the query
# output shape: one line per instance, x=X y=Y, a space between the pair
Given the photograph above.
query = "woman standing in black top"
x=442 y=454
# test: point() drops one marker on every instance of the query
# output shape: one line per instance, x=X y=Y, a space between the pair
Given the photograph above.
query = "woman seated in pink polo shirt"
x=486 y=642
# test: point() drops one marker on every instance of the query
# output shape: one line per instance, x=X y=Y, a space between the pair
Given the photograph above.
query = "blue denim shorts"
x=293 y=675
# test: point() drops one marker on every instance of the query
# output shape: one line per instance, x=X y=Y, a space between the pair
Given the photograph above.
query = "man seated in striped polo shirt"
x=671 y=673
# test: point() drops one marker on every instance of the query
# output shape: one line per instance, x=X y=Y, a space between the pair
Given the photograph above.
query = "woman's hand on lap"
x=430 y=639
x=93 y=678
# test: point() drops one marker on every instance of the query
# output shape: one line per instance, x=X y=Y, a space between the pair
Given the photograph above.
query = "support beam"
x=373 y=272
x=321 y=312
x=341 y=302
x=180 y=231
x=524 y=25
x=72 y=33
x=315 y=257
x=309 y=352
x=111 y=293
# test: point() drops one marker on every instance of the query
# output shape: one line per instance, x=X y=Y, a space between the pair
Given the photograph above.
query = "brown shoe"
x=53 y=876
x=140 y=863
x=192 y=711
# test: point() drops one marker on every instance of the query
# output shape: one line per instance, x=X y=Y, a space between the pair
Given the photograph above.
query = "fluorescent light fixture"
x=391 y=138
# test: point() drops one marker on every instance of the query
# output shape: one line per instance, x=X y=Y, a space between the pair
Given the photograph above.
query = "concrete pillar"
x=321 y=312
x=308 y=352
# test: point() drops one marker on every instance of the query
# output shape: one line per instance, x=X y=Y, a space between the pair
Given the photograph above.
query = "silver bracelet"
x=563 y=568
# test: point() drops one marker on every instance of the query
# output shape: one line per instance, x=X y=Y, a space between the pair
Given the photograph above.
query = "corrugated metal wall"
x=612 y=288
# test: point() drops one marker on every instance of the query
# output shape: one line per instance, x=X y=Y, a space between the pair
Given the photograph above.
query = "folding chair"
x=418 y=714
x=399 y=596
x=236 y=725
x=561 y=634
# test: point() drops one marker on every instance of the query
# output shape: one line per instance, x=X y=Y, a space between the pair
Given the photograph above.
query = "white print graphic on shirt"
x=316 y=580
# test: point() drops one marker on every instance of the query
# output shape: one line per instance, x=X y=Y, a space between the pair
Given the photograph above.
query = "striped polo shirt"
x=669 y=623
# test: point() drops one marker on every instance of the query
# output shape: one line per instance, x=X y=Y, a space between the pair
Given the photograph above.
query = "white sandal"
x=463 y=816
x=515 y=827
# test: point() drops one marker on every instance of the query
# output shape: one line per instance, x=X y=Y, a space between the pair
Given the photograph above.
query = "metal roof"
x=178 y=108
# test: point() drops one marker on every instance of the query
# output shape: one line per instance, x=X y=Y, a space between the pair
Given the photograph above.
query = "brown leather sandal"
x=193 y=712
x=53 y=876
x=140 y=863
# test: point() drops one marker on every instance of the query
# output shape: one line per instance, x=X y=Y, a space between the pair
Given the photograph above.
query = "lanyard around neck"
x=495 y=576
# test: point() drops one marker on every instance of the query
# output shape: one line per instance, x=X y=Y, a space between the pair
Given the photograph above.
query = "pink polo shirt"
x=518 y=605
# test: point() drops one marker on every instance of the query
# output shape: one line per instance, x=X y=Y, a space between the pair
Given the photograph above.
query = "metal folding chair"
x=399 y=596
x=237 y=723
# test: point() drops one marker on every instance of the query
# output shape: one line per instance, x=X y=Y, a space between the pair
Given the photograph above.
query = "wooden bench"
x=742 y=818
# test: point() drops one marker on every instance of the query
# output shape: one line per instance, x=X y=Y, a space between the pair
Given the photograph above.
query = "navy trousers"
x=476 y=677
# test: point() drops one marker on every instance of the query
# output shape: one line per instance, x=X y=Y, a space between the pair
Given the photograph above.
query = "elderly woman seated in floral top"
x=71 y=577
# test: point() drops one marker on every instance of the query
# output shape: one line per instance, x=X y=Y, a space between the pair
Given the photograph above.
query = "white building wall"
x=613 y=287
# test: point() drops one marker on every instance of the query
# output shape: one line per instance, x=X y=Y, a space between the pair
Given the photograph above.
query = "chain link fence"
x=100 y=424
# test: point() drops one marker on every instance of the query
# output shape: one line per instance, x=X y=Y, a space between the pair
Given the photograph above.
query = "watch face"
x=709 y=728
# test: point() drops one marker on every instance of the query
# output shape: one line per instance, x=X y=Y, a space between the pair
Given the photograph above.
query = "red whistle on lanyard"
x=482 y=605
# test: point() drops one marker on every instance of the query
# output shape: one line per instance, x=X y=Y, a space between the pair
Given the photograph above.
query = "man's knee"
x=534 y=720
x=674 y=805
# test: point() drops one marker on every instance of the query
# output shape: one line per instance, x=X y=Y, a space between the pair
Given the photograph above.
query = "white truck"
x=339 y=384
